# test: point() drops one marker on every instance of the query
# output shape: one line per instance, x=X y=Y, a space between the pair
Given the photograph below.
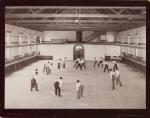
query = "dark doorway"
x=78 y=51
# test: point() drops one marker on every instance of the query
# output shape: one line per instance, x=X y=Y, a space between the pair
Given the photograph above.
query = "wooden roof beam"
x=71 y=21
x=73 y=15
x=71 y=7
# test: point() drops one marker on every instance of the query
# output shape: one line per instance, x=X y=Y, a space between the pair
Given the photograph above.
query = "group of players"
x=114 y=71
x=80 y=63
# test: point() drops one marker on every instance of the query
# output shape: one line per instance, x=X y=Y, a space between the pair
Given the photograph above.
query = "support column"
x=137 y=41
x=20 y=42
x=8 y=50
x=128 y=39
x=79 y=36
x=29 y=44
x=8 y=37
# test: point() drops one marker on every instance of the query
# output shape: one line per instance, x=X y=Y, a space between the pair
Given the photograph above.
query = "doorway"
x=78 y=51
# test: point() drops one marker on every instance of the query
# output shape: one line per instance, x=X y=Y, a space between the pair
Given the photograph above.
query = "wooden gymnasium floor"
x=97 y=93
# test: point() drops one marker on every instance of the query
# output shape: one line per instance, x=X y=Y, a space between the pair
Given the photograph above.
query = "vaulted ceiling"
x=46 y=18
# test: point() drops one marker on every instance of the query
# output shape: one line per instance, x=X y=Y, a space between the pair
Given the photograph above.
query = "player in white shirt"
x=117 y=72
x=60 y=82
x=112 y=77
x=79 y=89
x=115 y=65
x=77 y=61
x=59 y=63
x=34 y=81
x=106 y=66
x=83 y=63
x=48 y=68
x=95 y=61
x=64 y=63
x=80 y=62
x=100 y=61
x=44 y=68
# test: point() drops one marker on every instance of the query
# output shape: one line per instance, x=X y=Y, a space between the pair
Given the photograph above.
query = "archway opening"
x=78 y=51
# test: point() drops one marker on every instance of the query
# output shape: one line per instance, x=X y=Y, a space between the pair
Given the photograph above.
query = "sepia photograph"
x=75 y=57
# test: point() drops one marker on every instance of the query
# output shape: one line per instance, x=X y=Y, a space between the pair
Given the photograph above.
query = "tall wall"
x=111 y=36
x=141 y=31
x=49 y=35
x=90 y=51
x=135 y=33
x=20 y=36
x=71 y=35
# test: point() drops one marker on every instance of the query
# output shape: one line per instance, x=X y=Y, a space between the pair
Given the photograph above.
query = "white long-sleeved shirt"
x=77 y=86
x=105 y=63
x=60 y=82
x=117 y=73
x=115 y=62
x=111 y=74
x=100 y=59
x=77 y=59
x=36 y=77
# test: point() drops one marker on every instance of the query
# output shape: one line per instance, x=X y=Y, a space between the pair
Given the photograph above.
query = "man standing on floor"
x=34 y=81
x=83 y=63
x=60 y=83
x=64 y=63
x=59 y=63
x=100 y=62
x=79 y=89
x=80 y=62
x=57 y=88
x=106 y=66
x=118 y=77
x=95 y=61
x=115 y=65
x=77 y=61
x=48 y=68
x=112 y=77
x=44 y=68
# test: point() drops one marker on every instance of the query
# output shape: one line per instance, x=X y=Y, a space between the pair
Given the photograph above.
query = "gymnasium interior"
x=35 y=35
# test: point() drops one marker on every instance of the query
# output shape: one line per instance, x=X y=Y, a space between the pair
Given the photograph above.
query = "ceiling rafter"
x=114 y=11
x=70 y=21
x=121 y=11
x=71 y=7
x=72 y=15
x=37 y=11
x=64 y=17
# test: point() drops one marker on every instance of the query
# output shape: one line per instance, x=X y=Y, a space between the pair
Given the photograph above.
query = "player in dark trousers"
x=112 y=77
x=59 y=63
x=79 y=64
x=44 y=68
x=83 y=63
x=115 y=66
x=58 y=66
x=77 y=61
x=34 y=82
x=57 y=89
x=100 y=62
x=106 y=66
x=79 y=89
x=117 y=72
x=95 y=61
x=48 y=69
x=64 y=63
